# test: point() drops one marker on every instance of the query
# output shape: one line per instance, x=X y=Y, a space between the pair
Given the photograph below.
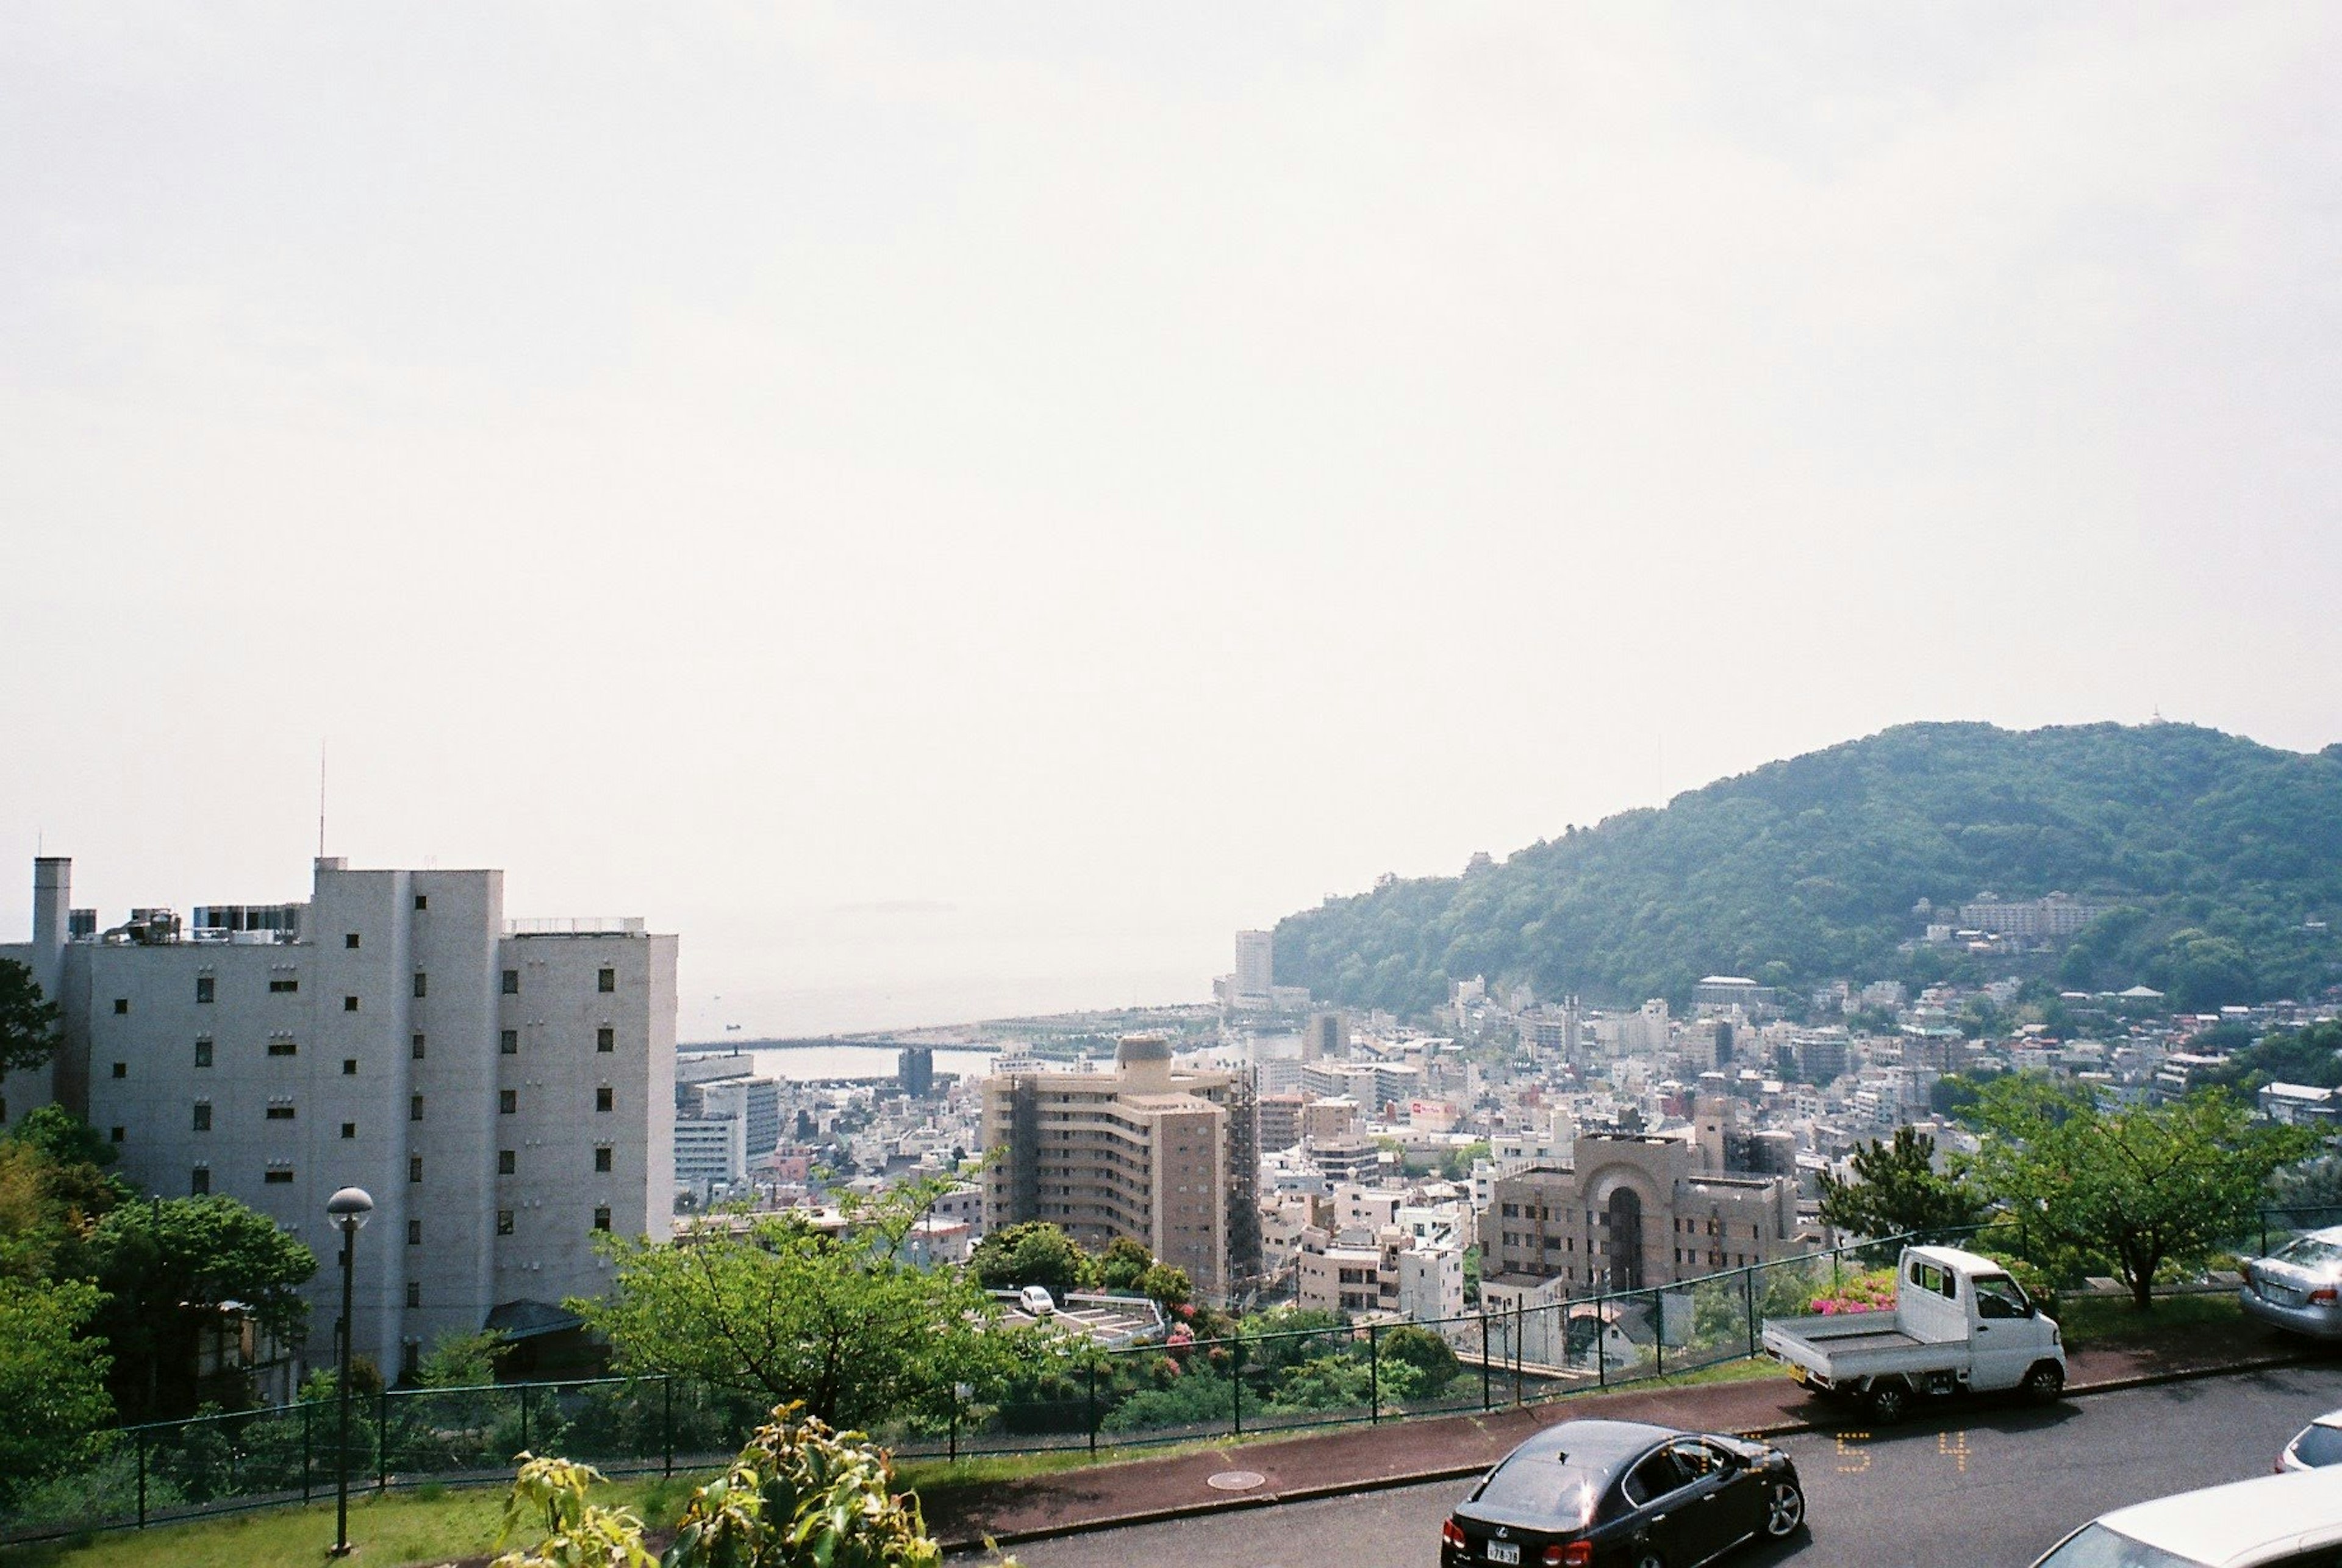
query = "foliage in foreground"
x=799 y=1495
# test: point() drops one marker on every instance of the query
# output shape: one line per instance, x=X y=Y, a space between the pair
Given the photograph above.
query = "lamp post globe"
x=348 y=1209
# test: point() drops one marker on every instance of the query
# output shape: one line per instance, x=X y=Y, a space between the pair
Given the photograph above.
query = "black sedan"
x=1592 y=1493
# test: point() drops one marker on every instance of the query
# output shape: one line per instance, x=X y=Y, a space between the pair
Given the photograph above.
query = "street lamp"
x=348 y=1210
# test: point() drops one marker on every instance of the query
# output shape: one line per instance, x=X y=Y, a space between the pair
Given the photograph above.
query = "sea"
x=811 y=1064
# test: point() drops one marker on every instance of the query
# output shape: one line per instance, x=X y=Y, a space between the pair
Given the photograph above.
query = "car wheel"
x=1650 y=1560
x=1888 y=1402
x=2044 y=1382
x=1784 y=1510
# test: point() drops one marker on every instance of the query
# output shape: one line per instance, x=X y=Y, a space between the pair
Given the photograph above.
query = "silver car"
x=2314 y=1446
x=2300 y=1286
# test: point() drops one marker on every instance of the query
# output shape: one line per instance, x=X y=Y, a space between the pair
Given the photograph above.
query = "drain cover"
x=1236 y=1480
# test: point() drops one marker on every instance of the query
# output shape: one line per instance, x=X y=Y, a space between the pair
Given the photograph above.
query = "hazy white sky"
x=957 y=509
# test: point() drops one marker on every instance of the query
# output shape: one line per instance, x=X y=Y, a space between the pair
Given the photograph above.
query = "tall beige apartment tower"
x=1169 y=1159
x=503 y=1089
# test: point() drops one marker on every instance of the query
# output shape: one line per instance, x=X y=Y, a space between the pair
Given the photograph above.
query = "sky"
x=956 y=510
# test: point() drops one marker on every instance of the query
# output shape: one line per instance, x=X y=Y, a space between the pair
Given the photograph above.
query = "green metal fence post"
x=1236 y=1385
x=382 y=1439
x=1516 y=1352
x=951 y=1444
x=1659 y=1333
x=1374 y=1375
x=142 y=1478
x=1601 y=1341
x=1487 y=1402
x=1748 y=1303
x=305 y=1451
x=666 y=1419
x=523 y=1417
x=1093 y=1406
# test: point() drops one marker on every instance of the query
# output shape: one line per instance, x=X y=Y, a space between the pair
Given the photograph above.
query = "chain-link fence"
x=1282 y=1371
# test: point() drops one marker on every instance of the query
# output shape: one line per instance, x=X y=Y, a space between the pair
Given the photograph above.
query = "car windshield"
x=1542 y=1485
x=2099 y=1547
x=2309 y=1253
x=2319 y=1445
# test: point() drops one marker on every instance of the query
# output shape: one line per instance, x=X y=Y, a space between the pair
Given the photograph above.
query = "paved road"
x=1986 y=1485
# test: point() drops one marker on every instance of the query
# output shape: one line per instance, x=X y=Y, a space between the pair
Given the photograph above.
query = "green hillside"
x=2215 y=851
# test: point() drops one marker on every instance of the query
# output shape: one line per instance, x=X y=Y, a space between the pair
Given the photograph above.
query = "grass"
x=2175 y=1322
x=429 y=1525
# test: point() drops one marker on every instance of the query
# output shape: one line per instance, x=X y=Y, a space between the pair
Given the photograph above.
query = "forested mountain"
x=2216 y=854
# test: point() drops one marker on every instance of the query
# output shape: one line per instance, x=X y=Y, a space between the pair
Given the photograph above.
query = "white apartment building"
x=710 y=1155
x=504 y=1089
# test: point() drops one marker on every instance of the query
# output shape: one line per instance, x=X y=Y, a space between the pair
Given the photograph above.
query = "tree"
x=843 y=1326
x=1123 y=1263
x=1896 y=1191
x=1162 y=1283
x=28 y=1021
x=52 y=1379
x=1035 y=1252
x=169 y=1269
x=2134 y=1188
x=460 y=1361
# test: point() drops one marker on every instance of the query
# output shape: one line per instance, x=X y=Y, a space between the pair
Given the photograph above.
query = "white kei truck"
x=1960 y=1325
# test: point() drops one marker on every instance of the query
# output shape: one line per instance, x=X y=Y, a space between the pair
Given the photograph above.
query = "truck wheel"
x=2045 y=1383
x=1889 y=1403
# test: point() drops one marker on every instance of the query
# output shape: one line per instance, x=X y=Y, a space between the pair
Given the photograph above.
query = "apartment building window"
x=279 y=1046
x=415 y=1167
x=351 y=940
x=512 y=982
x=415 y=1107
x=601 y=1157
x=507 y=1101
x=281 y=1176
x=506 y=1163
x=422 y=901
x=117 y=1135
x=205 y=986
x=605 y=1098
x=349 y=1003
x=418 y=1047
x=606 y=981
x=284 y=985
x=415 y=1233
x=202 y=1115
x=504 y=1221
x=422 y=983
x=122 y=1004
x=349 y=1129
x=122 y=1069
x=508 y=1041
x=280 y=1113
x=414 y=1292
x=349 y=1066
x=606 y=1039
x=602 y=1218
x=203 y=1050
x=199 y=1181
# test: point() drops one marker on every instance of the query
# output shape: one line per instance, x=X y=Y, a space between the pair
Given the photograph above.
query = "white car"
x=2292 y=1521
x=2313 y=1446
x=1035 y=1300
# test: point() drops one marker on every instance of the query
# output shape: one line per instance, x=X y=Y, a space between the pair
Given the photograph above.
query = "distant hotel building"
x=504 y=1089
x=1170 y=1160
x=2058 y=914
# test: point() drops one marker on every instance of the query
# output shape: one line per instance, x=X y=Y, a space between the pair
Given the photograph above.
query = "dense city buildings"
x=503 y=1089
x=1168 y=1158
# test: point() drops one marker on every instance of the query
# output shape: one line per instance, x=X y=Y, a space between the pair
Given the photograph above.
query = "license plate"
x=1505 y=1552
x=1796 y=1373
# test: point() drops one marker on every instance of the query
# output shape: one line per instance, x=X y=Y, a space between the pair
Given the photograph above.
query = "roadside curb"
x=1210 y=1505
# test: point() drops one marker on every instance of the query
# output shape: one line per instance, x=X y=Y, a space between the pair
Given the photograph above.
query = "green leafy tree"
x=1123 y=1263
x=53 y=1399
x=29 y=1033
x=1896 y=1190
x=843 y=1326
x=1423 y=1353
x=1035 y=1252
x=460 y=1361
x=168 y=1269
x=2137 y=1189
x=1169 y=1286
